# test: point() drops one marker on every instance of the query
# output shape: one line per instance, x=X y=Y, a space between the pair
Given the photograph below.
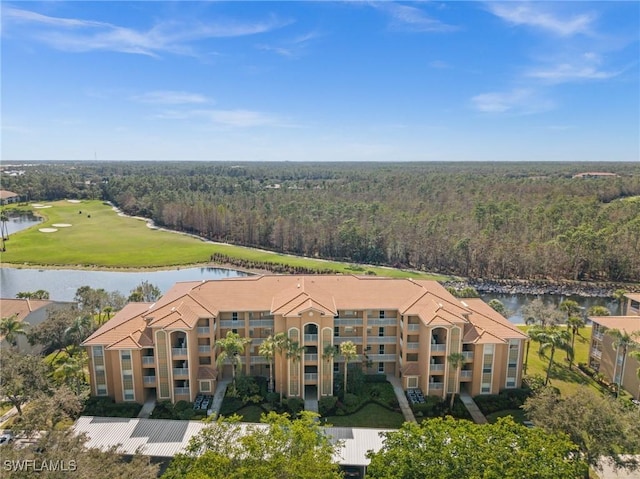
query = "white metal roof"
x=166 y=438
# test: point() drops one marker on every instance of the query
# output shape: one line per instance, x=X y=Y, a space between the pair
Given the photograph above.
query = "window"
x=205 y=386
x=102 y=390
x=234 y=316
x=336 y=331
x=336 y=367
x=234 y=330
x=381 y=349
x=126 y=354
x=412 y=382
x=128 y=396
x=381 y=331
x=380 y=367
x=381 y=316
x=486 y=389
x=97 y=351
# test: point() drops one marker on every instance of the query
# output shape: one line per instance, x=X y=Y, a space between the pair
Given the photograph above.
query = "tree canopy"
x=449 y=448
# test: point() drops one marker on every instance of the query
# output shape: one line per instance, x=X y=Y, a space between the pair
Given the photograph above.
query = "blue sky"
x=321 y=81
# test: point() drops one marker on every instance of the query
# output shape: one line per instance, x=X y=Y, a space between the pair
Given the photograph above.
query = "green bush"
x=101 y=406
x=272 y=398
x=351 y=401
x=230 y=405
x=327 y=405
x=294 y=405
x=507 y=399
x=182 y=406
x=375 y=378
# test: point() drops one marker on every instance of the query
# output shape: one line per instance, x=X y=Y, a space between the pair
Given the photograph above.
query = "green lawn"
x=250 y=413
x=517 y=415
x=371 y=415
x=565 y=379
x=99 y=237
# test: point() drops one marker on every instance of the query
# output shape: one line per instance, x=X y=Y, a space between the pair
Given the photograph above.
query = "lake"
x=63 y=283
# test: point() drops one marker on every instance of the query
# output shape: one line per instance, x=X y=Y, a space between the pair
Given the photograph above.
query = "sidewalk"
x=402 y=399
x=8 y=415
x=221 y=389
x=473 y=409
x=147 y=408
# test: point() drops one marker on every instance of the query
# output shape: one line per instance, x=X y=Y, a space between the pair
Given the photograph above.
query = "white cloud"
x=566 y=72
x=167 y=97
x=517 y=101
x=76 y=35
x=439 y=65
x=538 y=15
x=237 y=118
x=292 y=48
x=409 y=18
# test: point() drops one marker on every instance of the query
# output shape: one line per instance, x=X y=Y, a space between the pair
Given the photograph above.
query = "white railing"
x=310 y=376
x=149 y=379
x=382 y=321
x=148 y=360
x=413 y=327
x=257 y=341
x=436 y=367
x=413 y=345
x=466 y=374
x=308 y=338
x=179 y=351
x=261 y=323
x=385 y=358
x=258 y=360
x=204 y=329
x=347 y=321
x=204 y=348
x=180 y=371
x=181 y=391
x=468 y=355
x=596 y=353
x=310 y=357
x=344 y=339
x=230 y=323
x=436 y=386
x=599 y=336
x=438 y=347
x=382 y=339
x=340 y=358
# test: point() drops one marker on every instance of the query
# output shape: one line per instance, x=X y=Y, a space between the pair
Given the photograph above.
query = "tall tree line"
x=489 y=220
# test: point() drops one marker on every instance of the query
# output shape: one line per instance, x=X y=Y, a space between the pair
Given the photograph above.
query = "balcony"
x=413 y=327
x=382 y=339
x=436 y=386
x=148 y=360
x=204 y=348
x=257 y=341
x=347 y=321
x=181 y=391
x=468 y=355
x=344 y=339
x=466 y=374
x=310 y=376
x=413 y=346
x=310 y=357
x=261 y=323
x=204 y=330
x=382 y=321
x=179 y=351
x=258 y=360
x=340 y=358
x=436 y=367
x=149 y=380
x=439 y=348
x=598 y=335
x=230 y=323
x=383 y=358
x=181 y=371
x=596 y=353
x=310 y=338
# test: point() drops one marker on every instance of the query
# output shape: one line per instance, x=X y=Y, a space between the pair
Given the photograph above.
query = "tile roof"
x=626 y=324
x=633 y=296
x=126 y=330
x=21 y=307
x=489 y=326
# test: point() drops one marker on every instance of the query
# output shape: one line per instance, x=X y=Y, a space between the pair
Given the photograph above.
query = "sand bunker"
x=41 y=206
x=74 y=201
x=48 y=230
x=61 y=225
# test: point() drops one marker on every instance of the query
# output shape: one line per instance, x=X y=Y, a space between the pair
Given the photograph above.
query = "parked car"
x=6 y=438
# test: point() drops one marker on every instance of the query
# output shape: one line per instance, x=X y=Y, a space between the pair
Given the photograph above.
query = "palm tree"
x=456 y=360
x=11 y=327
x=623 y=342
x=574 y=323
x=552 y=339
x=268 y=350
x=636 y=355
x=71 y=371
x=281 y=344
x=619 y=296
x=295 y=352
x=570 y=307
x=78 y=331
x=231 y=348
x=349 y=350
x=328 y=354
x=599 y=311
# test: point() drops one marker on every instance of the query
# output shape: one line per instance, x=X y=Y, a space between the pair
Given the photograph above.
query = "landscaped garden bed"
x=104 y=406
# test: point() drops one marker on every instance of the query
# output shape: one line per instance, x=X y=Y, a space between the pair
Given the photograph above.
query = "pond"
x=21 y=222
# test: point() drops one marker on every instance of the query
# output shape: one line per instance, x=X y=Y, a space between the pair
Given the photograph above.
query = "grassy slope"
x=566 y=380
x=99 y=237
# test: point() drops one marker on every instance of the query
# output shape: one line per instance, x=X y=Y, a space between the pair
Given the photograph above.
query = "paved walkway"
x=473 y=409
x=9 y=414
x=221 y=389
x=148 y=407
x=402 y=399
x=311 y=405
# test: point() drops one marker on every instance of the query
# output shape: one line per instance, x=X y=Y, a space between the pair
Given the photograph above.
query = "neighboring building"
x=31 y=312
x=595 y=174
x=401 y=327
x=605 y=358
x=8 y=197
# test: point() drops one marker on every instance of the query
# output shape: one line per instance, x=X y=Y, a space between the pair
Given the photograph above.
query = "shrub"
x=230 y=405
x=507 y=399
x=327 y=405
x=247 y=386
x=182 y=406
x=295 y=405
x=272 y=398
x=351 y=401
x=375 y=378
x=95 y=406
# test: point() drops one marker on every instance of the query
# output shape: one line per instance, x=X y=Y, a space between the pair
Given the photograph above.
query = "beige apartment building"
x=609 y=360
x=401 y=327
